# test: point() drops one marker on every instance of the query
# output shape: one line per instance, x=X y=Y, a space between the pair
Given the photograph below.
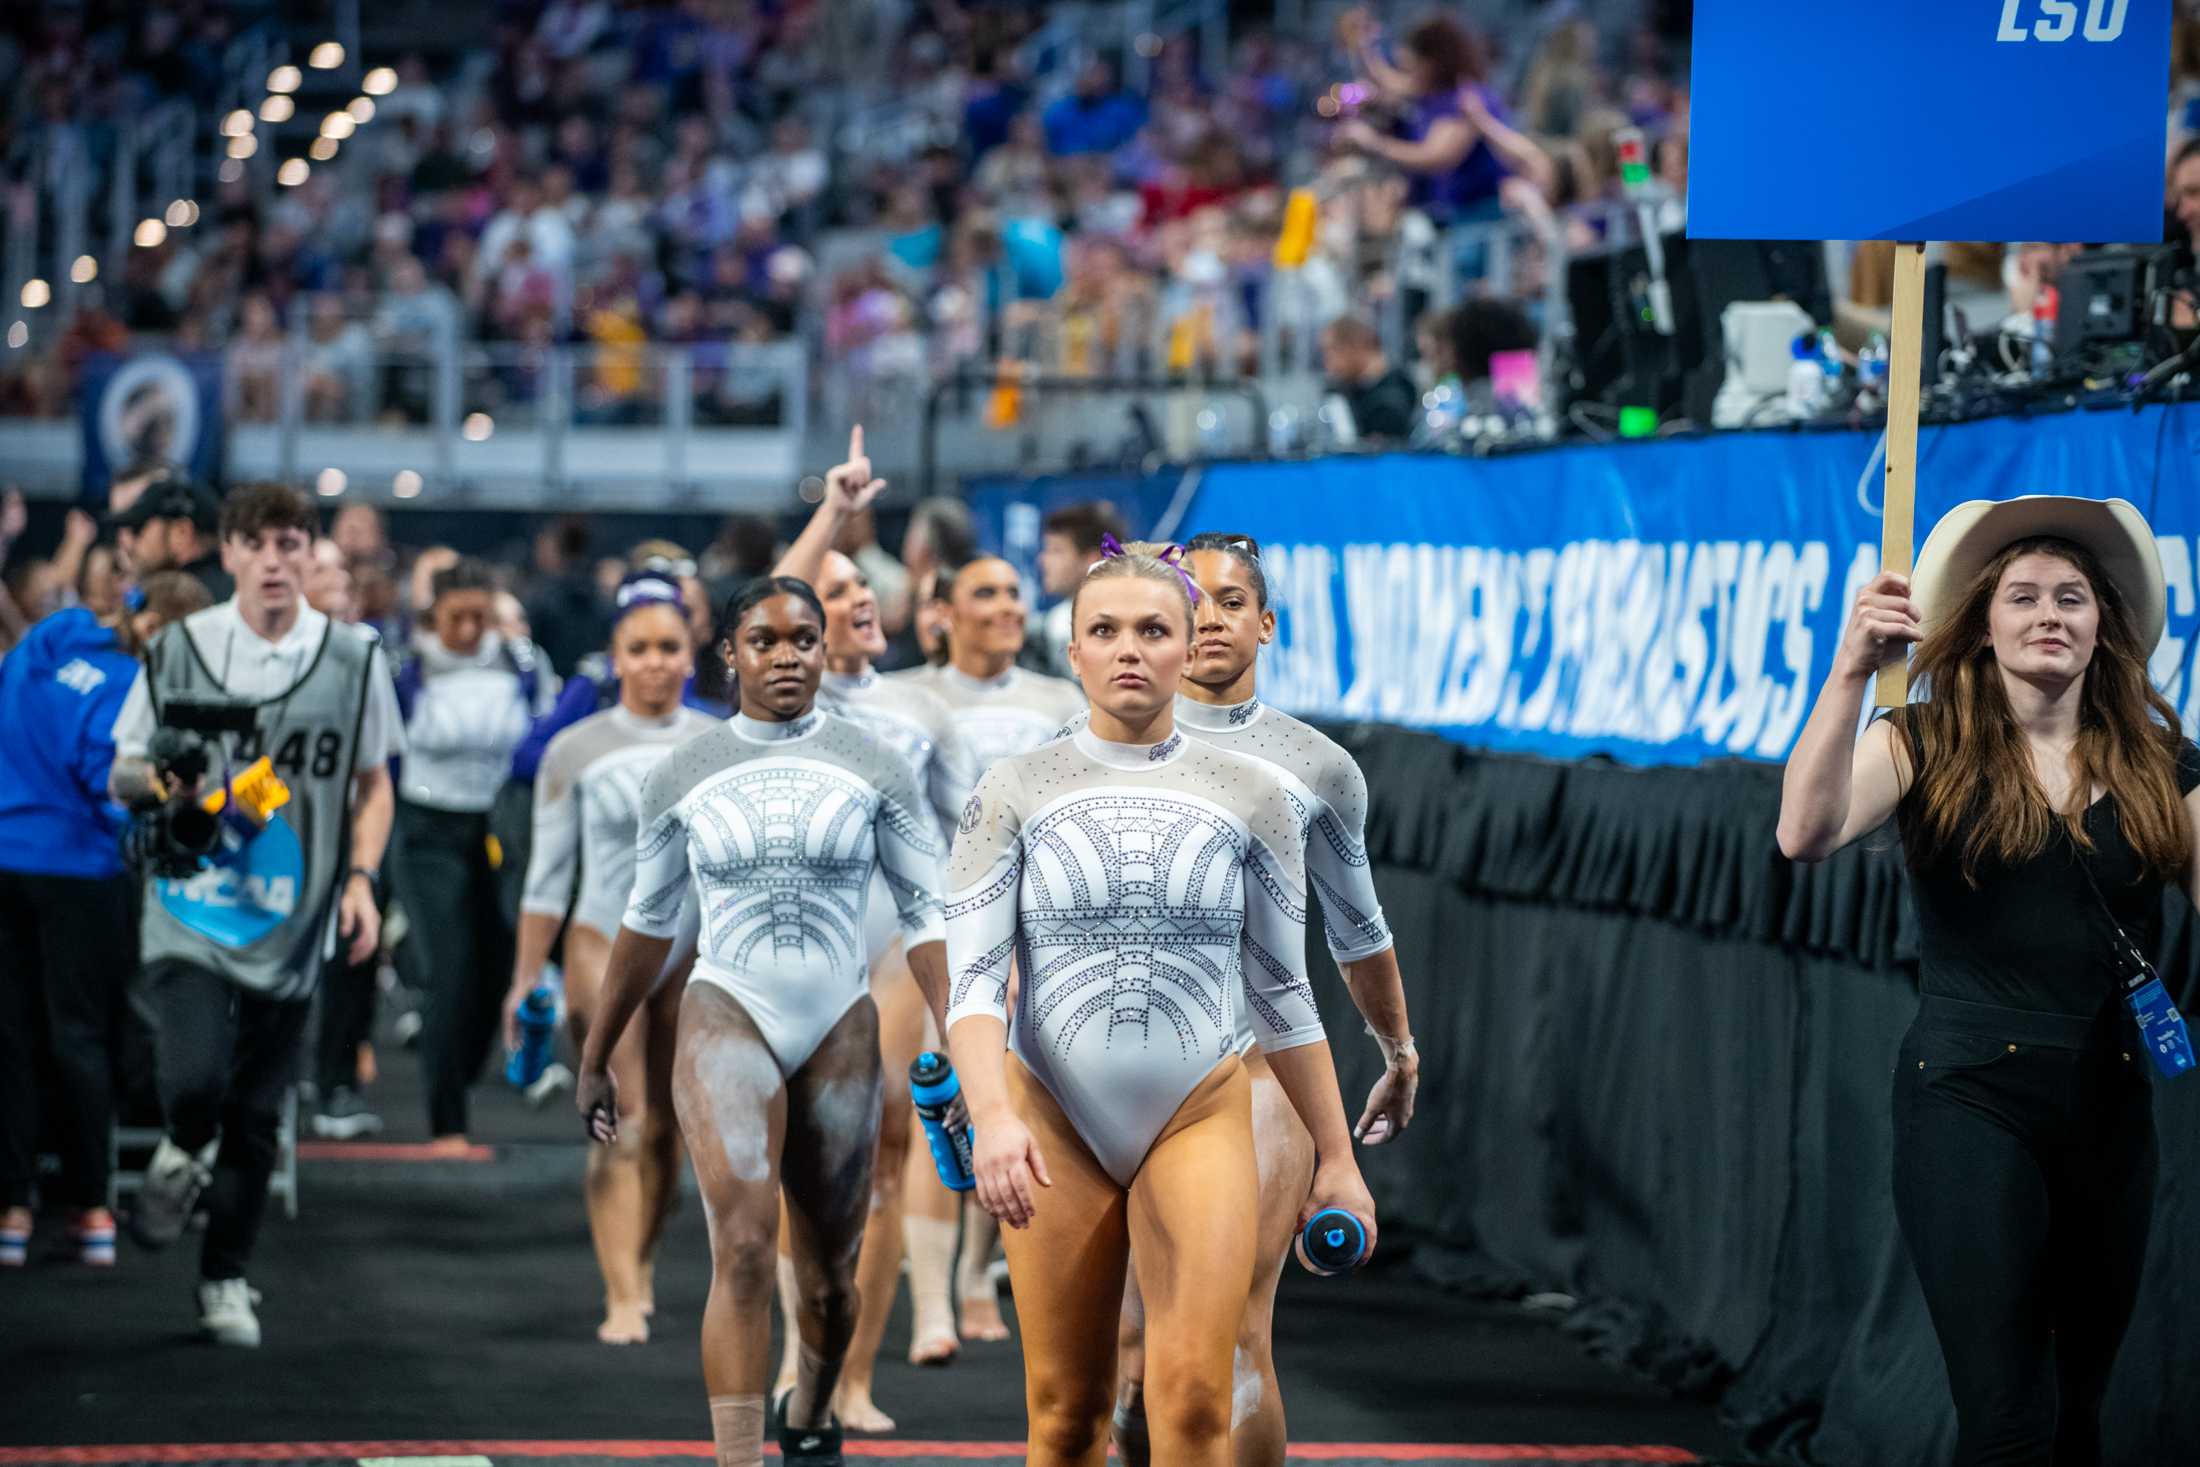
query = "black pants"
x=2024 y=1167
x=450 y=893
x=68 y=946
x=226 y=1055
x=347 y=1019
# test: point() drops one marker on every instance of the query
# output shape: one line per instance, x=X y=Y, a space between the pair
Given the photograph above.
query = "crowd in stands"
x=704 y=174
x=901 y=188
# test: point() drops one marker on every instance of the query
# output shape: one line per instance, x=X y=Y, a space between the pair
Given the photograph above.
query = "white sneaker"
x=174 y=1178
x=225 y=1313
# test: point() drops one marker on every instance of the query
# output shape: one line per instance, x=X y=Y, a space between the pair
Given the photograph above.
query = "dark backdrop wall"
x=1657 y=1074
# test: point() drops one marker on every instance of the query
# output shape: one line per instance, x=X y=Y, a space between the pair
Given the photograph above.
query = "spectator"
x=124 y=488
x=563 y=605
x=787 y=180
x=255 y=362
x=1018 y=172
x=1379 y=402
x=1097 y=117
x=337 y=362
x=528 y=219
x=939 y=534
x=1069 y=542
x=173 y=525
x=2184 y=195
x=747 y=547
x=1453 y=141
x=68 y=919
x=467 y=697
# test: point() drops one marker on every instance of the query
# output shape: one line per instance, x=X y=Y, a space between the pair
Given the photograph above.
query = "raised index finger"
x=855 y=443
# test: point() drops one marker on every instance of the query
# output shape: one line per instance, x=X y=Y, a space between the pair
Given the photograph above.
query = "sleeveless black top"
x=2031 y=935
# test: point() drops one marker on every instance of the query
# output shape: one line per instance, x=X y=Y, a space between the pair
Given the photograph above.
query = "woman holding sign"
x=2044 y=795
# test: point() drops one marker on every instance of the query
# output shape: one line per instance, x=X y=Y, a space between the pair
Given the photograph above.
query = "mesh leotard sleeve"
x=909 y=856
x=983 y=877
x=1277 y=992
x=553 y=856
x=952 y=777
x=1337 y=866
x=660 y=854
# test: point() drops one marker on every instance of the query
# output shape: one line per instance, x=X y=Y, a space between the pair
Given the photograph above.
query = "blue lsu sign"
x=1929 y=119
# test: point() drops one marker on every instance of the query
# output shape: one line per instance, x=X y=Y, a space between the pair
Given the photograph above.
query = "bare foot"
x=852 y=1403
x=623 y=1324
x=934 y=1347
x=981 y=1317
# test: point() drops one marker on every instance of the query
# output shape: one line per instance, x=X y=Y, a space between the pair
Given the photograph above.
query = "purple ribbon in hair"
x=1173 y=557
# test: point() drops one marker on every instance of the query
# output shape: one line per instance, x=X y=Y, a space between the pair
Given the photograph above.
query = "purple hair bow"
x=1172 y=557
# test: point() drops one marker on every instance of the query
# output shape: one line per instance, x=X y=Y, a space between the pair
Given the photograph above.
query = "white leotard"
x=588 y=804
x=1143 y=891
x=779 y=826
x=997 y=717
x=910 y=719
x=1326 y=785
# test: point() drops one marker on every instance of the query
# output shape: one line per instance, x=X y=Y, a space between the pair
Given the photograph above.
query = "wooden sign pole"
x=1898 y=512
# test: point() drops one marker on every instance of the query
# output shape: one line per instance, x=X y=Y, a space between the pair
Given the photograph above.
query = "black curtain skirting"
x=1657 y=1068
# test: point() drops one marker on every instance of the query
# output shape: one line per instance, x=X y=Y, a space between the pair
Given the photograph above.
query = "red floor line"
x=421 y=1151
x=289 y=1451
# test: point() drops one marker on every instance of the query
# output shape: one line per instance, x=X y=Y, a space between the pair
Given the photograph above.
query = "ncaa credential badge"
x=245 y=894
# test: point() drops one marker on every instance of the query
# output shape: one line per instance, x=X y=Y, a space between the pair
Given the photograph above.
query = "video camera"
x=188 y=831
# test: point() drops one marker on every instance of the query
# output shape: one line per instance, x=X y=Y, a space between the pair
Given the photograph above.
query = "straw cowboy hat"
x=1975 y=531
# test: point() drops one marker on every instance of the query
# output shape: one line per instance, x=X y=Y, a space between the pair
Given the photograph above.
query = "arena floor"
x=441 y=1314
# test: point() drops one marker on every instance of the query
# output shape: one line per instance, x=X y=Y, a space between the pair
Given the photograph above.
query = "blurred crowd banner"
x=151 y=406
x=1663 y=603
x=1964 y=120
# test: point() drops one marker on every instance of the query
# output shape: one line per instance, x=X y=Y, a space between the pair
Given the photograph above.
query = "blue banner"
x=1929 y=119
x=1661 y=602
x=152 y=405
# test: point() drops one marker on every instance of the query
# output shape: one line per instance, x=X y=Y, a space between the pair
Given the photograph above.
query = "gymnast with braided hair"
x=1148 y=886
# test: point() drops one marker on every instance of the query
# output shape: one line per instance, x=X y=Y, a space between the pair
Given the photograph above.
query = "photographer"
x=233 y=948
x=67 y=910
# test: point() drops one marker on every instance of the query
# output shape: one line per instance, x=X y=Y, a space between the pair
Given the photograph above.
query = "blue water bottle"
x=934 y=1088
x=538 y=1036
x=1332 y=1242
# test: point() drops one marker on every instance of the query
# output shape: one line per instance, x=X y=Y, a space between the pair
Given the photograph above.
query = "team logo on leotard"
x=1243 y=713
x=973 y=808
x=1165 y=748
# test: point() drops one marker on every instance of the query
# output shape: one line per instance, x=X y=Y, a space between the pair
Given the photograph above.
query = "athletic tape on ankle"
x=737 y=1430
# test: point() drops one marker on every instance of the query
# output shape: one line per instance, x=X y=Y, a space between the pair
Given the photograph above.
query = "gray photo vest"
x=263 y=920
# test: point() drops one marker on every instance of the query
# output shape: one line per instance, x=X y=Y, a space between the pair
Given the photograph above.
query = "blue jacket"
x=60 y=691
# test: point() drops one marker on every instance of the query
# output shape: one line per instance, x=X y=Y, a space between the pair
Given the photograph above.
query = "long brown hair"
x=170 y=595
x=1976 y=798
